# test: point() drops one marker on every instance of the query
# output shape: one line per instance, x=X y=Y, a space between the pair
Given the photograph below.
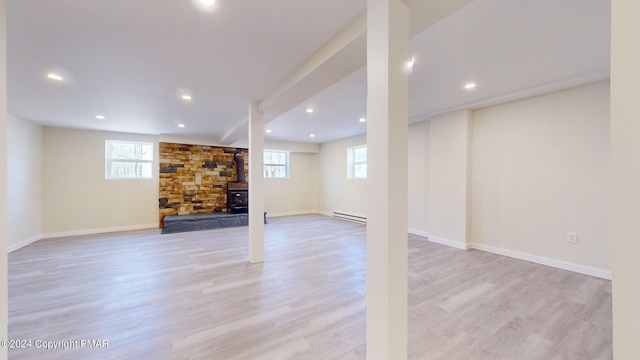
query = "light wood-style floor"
x=194 y=296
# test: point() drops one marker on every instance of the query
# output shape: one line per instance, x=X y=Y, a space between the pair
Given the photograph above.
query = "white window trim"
x=287 y=164
x=352 y=163
x=108 y=160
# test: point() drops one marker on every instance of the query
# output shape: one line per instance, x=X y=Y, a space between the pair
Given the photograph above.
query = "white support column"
x=256 y=184
x=625 y=165
x=4 y=309
x=387 y=137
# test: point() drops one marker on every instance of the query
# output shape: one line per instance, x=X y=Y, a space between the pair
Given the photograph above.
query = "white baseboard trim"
x=99 y=231
x=325 y=213
x=290 y=213
x=21 y=244
x=450 y=243
x=439 y=240
x=419 y=233
x=581 y=269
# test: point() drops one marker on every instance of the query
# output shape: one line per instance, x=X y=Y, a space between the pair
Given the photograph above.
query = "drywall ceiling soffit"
x=518 y=94
x=511 y=50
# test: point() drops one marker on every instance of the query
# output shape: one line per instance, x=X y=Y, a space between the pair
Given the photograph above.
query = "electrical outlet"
x=572 y=237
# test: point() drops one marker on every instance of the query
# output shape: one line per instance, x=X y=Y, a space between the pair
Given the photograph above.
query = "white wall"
x=419 y=178
x=24 y=182
x=625 y=152
x=77 y=198
x=436 y=179
x=299 y=193
x=337 y=193
x=512 y=179
x=540 y=168
x=448 y=152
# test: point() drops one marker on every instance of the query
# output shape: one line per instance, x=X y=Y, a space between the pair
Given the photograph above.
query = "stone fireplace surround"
x=194 y=178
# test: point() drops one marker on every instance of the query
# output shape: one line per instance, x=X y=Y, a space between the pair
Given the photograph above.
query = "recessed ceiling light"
x=206 y=5
x=363 y=120
x=180 y=125
x=186 y=97
x=309 y=111
x=411 y=62
x=269 y=131
x=470 y=86
x=56 y=77
x=312 y=135
x=100 y=117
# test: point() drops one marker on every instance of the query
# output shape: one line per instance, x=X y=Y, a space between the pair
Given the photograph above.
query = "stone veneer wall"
x=193 y=178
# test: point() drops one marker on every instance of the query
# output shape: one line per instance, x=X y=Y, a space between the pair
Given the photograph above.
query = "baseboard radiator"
x=349 y=217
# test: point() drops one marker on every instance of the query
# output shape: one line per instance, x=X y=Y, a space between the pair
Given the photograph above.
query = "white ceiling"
x=130 y=60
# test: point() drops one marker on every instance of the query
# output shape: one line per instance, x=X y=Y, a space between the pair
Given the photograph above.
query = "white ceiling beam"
x=340 y=56
x=315 y=62
x=235 y=133
x=337 y=58
x=344 y=54
x=424 y=13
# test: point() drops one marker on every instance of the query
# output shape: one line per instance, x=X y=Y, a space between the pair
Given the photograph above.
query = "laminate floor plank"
x=195 y=296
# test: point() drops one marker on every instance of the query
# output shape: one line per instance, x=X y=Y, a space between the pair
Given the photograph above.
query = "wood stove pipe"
x=239 y=159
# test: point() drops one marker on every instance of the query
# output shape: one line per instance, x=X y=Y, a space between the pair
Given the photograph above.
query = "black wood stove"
x=237 y=197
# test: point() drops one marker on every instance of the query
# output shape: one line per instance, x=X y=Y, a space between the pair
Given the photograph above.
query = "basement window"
x=357 y=162
x=128 y=160
x=276 y=164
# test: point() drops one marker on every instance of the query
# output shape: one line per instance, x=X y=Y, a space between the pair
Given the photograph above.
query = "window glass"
x=276 y=164
x=128 y=160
